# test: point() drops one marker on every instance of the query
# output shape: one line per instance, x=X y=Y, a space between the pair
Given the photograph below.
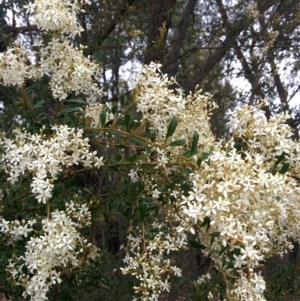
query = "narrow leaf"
x=142 y=209
x=177 y=142
x=138 y=141
x=284 y=168
x=127 y=122
x=122 y=98
x=114 y=109
x=195 y=143
x=280 y=159
x=196 y=244
x=76 y=101
x=206 y=222
x=115 y=133
x=187 y=153
x=172 y=126
x=103 y=117
x=152 y=207
x=213 y=236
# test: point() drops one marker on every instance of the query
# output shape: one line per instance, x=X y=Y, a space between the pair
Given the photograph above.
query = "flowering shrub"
x=236 y=200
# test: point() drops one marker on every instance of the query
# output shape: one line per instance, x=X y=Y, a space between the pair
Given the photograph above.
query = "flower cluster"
x=15 y=67
x=93 y=112
x=268 y=142
x=16 y=230
x=158 y=104
x=242 y=202
x=246 y=289
x=45 y=158
x=57 y=15
x=203 y=279
x=147 y=262
x=69 y=70
x=55 y=250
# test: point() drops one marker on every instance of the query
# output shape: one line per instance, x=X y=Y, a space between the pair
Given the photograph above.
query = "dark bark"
x=159 y=24
x=172 y=60
x=108 y=29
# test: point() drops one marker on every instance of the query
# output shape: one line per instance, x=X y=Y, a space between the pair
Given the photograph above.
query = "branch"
x=172 y=64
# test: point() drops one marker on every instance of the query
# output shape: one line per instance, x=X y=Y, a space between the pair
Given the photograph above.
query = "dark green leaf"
x=142 y=209
x=138 y=141
x=172 y=126
x=184 y=170
x=122 y=98
x=280 y=158
x=222 y=250
x=115 y=133
x=206 y=222
x=284 y=168
x=76 y=101
x=237 y=146
x=114 y=109
x=103 y=117
x=127 y=122
x=69 y=110
x=187 y=153
x=152 y=207
x=213 y=236
x=195 y=143
x=39 y=104
x=204 y=157
x=177 y=142
x=196 y=244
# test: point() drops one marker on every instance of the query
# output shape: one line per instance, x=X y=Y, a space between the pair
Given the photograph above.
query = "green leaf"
x=39 y=104
x=172 y=126
x=122 y=98
x=194 y=149
x=177 y=142
x=187 y=153
x=213 y=236
x=127 y=122
x=284 y=168
x=184 y=170
x=223 y=250
x=103 y=117
x=138 y=141
x=280 y=159
x=69 y=110
x=109 y=122
x=196 y=244
x=115 y=133
x=204 y=157
x=237 y=146
x=206 y=222
x=114 y=109
x=76 y=101
x=152 y=207
x=142 y=209
x=157 y=230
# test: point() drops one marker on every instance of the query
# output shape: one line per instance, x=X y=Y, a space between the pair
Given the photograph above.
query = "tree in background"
x=136 y=179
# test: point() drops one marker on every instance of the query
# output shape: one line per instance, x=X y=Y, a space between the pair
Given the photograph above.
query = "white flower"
x=133 y=176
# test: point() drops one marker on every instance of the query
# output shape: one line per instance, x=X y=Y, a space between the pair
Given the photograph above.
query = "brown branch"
x=172 y=64
x=160 y=20
x=108 y=29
